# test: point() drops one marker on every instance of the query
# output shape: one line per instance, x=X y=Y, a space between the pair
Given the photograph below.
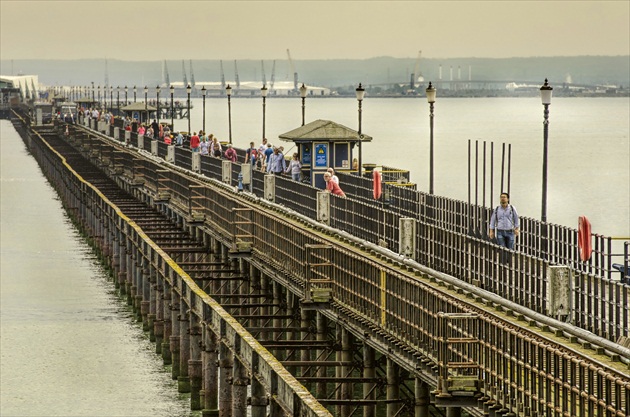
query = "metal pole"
x=303 y=109
x=158 y=105
x=431 y=148
x=543 y=215
x=188 y=108
x=118 y=100
x=360 y=143
x=230 y=118
x=204 y=113
x=263 y=124
x=172 y=111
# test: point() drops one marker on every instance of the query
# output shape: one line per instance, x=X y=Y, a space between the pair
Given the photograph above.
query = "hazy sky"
x=157 y=30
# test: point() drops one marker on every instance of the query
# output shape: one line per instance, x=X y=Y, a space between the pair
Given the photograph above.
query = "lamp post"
x=545 y=96
x=188 y=89
x=111 y=97
x=118 y=100
x=92 y=92
x=157 y=93
x=146 y=108
x=263 y=93
x=134 y=93
x=303 y=90
x=228 y=91
x=172 y=89
x=99 y=95
x=431 y=92
x=126 y=98
x=203 y=94
x=360 y=94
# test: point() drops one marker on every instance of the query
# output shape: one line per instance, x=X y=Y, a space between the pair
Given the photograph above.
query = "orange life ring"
x=584 y=238
x=376 y=179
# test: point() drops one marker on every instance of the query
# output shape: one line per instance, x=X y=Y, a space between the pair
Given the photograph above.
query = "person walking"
x=504 y=223
x=276 y=165
x=295 y=168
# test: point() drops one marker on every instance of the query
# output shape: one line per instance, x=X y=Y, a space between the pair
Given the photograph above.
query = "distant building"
x=27 y=84
x=252 y=88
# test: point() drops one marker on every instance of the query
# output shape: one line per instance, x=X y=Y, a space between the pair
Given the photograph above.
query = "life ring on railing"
x=584 y=238
x=376 y=179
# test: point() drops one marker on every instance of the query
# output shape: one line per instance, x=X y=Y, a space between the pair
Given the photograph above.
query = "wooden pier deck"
x=240 y=291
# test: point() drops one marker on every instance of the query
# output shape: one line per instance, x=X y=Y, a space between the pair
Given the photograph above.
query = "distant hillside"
x=613 y=70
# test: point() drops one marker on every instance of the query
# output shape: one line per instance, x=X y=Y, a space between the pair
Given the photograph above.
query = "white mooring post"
x=128 y=139
x=323 y=207
x=196 y=162
x=407 y=240
x=226 y=167
x=116 y=133
x=559 y=291
x=154 y=147
x=170 y=154
x=270 y=187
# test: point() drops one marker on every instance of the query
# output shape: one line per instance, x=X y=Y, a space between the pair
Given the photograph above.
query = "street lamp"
x=92 y=92
x=126 y=98
x=188 y=89
x=146 y=108
x=99 y=96
x=431 y=92
x=172 y=89
x=263 y=93
x=157 y=92
x=360 y=94
x=545 y=96
x=134 y=93
x=228 y=91
x=203 y=94
x=111 y=97
x=303 y=95
x=118 y=100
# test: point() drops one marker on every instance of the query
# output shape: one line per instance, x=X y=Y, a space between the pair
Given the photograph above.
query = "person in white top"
x=333 y=177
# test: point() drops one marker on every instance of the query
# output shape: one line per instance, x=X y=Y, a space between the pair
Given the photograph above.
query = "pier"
x=324 y=306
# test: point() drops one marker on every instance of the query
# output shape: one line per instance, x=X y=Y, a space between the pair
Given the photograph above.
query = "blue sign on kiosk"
x=321 y=155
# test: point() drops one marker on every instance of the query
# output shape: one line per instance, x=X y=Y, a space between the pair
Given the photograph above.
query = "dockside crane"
x=184 y=73
x=166 y=77
x=238 y=82
x=222 y=77
x=192 y=75
x=415 y=75
x=264 y=77
x=295 y=74
x=273 y=75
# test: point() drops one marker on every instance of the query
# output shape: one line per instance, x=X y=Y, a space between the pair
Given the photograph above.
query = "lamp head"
x=172 y=89
x=303 y=90
x=203 y=90
x=431 y=93
x=188 y=88
x=228 y=90
x=545 y=93
x=264 y=91
x=360 y=92
x=157 y=89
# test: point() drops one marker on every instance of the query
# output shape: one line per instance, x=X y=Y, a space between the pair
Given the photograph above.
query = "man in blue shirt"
x=505 y=222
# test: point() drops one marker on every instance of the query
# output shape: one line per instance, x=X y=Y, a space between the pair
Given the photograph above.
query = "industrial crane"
x=184 y=72
x=222 y=77
x=273 y=75
x=295 y=74
x=192 y=75
x=238 y=82
x=264 y=77
x=166 y=77
x=416 y=75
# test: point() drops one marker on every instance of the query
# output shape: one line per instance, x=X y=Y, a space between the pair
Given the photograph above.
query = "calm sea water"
x=589 y=145
x=69 y=347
